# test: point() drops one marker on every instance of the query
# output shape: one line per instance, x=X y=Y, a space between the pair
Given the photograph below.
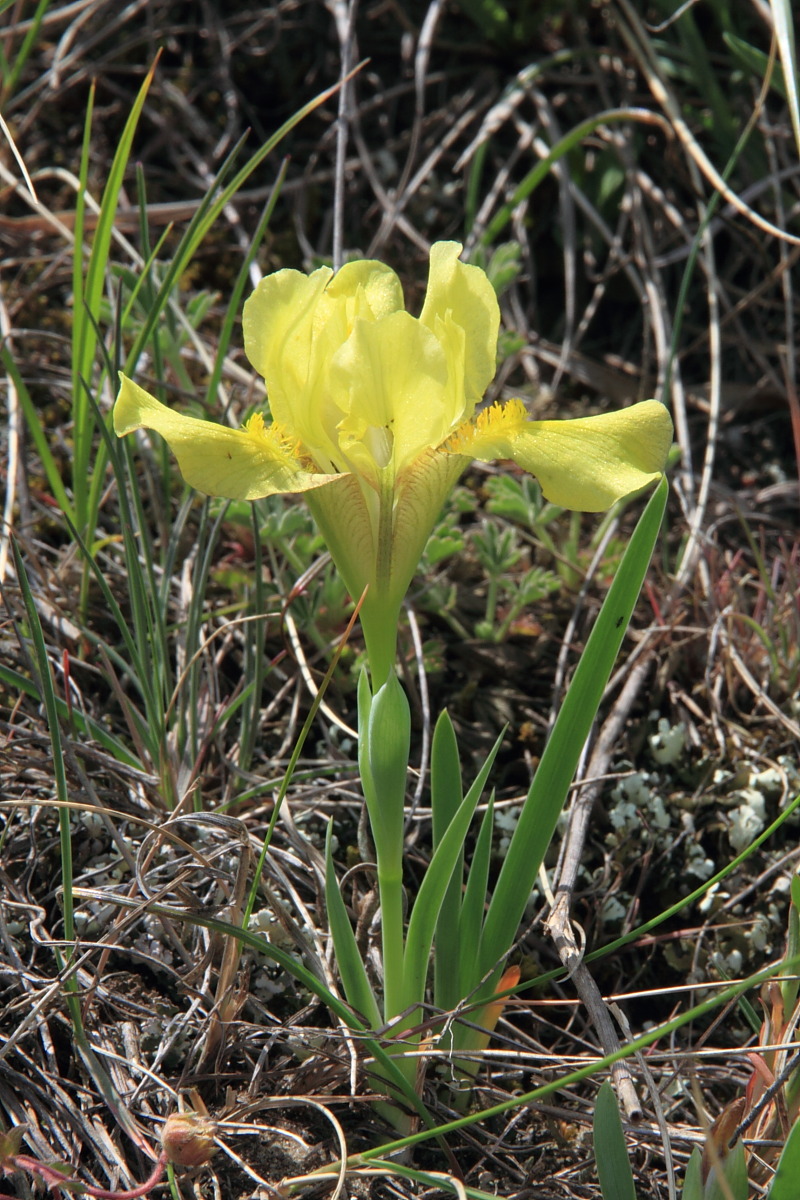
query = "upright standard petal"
x=378 y=284
x=390 y=377
x=586 y=464
x=237 y=464
x=278 y=322
x=462 y=294
x=293 y=327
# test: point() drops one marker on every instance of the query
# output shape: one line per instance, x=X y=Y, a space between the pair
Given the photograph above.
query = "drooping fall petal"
x=239 y=464
x=585 y=464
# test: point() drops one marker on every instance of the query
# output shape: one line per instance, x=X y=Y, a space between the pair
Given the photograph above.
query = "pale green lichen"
x=668 y=742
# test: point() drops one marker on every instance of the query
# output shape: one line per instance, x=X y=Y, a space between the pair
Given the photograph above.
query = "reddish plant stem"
x=56 y=1179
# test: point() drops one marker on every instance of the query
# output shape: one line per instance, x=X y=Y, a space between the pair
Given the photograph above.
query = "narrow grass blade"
x=551 y=783
x=207 y=213
x=10 y=71
x=234 y=306
x=474 y=902
x=82 y=724
x=38 y=434
x=48 y=698
x=288 y=774
x=686 y=902
x=433 y=1181
x=88 y=293
x=790 y=987
x=755 y=61
x=425 y=913
x=693 y=1179
x=696 y=51
x=610 y=1152
x=289 y=963
x=540 y=172
x=446 y=798
x=784 y=1184
x=356 y=985
x=47 y=695
x=144 y=633
x=559 y=1083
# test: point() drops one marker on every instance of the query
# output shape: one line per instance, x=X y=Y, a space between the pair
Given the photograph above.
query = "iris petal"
x=238 y=464
x=278 y=325
x=377 y=283
x=465 y=293
x=586 y=464
x=589 y=463
x=394 y=377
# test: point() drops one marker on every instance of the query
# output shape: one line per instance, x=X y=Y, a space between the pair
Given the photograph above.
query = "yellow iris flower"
x=373 y=417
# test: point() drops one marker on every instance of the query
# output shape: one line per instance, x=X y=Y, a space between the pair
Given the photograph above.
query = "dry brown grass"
x=445 y=126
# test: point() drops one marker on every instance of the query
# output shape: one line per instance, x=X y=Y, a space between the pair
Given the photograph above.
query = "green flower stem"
x=384 y=723
x=379 y=625
x=390 y=886
x=384 y=738
x=380 y=611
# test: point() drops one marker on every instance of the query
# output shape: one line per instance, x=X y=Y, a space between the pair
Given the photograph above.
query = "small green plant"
x=496 y=549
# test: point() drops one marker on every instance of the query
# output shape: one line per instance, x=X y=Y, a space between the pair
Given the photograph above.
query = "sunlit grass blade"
x=288 y=774
x=46 y=689
x=540 y=171
x=11 y=70
x=39 y=437
x=208 y=211
x=143 y=634
x=686 y=902
x=610 y=1152
x=255 y=659
x=82 y=724
x=289 y=963
x=171 y=705
x=756 y=62
x=791 y=987
x=234 y=306
x=694 y=56
x=555 y=772
x=88 y=290
x=184 y=701
x=562 y=1082
x=436 y=1181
